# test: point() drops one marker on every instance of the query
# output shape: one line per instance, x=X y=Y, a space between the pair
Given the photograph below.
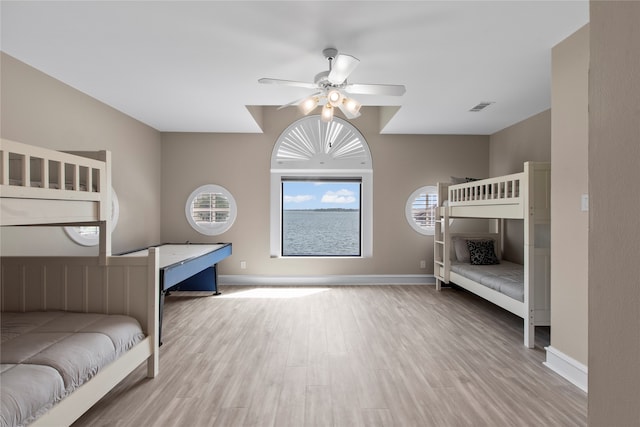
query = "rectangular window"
x=321 y=217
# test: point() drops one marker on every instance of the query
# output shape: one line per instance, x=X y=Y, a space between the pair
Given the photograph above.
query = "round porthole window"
x=420 y=210
x=90 y=236
x=211 y=210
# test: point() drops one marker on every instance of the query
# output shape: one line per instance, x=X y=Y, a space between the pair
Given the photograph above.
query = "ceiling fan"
x=332 y=86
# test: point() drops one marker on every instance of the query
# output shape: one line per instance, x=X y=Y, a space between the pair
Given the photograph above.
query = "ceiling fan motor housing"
x=330 y=53
x=322 y=81
x=321 y=78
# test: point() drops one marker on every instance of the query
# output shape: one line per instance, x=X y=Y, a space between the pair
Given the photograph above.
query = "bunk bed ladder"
x=441 y=238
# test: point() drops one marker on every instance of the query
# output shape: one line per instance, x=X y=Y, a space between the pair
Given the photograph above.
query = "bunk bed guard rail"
x=502 y=190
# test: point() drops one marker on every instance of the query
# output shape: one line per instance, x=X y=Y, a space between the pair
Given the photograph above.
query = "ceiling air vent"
x=481 y=106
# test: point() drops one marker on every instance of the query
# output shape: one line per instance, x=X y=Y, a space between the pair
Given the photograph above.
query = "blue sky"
x=317 y=195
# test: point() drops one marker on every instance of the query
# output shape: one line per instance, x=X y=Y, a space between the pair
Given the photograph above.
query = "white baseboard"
x=373 y=279
x=568 y=368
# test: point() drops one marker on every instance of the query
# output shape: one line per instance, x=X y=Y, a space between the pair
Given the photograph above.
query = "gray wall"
x=569 y=180
x=526 y=141
x=241 y=163
x=39 y=110
x=614 y=232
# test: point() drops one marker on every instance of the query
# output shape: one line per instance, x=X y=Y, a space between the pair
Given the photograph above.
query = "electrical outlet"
x=243 y=264
x=423 y=264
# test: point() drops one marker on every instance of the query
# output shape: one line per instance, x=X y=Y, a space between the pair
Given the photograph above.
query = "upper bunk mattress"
x=46 y=355
x=506 y=277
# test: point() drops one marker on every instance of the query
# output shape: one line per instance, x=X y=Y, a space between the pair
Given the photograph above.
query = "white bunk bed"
x=524 y=196
x=45 y=187
x=39 y=186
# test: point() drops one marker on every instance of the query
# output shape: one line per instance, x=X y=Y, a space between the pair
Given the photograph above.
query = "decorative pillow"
x=481 y=252
x=461 y=249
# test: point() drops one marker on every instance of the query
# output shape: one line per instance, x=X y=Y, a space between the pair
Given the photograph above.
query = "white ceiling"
x=194 y=66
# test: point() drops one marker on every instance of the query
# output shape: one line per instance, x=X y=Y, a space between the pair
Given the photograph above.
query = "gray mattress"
x=46 y=355
x=506 y=277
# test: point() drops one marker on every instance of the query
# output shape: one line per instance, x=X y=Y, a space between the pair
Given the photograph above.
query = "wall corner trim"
x=347 y=279
x=567 y=367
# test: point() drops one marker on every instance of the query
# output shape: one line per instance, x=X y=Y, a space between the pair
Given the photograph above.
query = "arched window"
x=321 y=191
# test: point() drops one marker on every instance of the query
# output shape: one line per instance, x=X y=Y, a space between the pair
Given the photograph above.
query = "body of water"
x=320 y=233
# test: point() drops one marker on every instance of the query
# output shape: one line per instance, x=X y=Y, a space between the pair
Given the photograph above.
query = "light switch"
x=584 y=203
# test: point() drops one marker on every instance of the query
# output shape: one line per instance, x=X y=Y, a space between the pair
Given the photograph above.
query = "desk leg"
x=161 y=310
x=215 y=280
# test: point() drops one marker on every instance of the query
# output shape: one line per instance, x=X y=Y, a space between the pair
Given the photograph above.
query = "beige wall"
x=569 y=180
x=241 y=162
x=526 y=141
x=614 y=228
x=39 y=110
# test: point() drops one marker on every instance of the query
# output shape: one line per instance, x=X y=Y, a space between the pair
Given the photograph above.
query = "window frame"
x=310 y=148
x=408 y=210
x=215 y=228
x=366 y=208
x=324 y=179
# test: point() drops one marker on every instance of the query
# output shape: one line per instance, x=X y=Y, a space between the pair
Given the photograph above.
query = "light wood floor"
x=346 y=356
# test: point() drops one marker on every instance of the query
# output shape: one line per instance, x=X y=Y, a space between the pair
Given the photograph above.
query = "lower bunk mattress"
x=47 y=355
x=506 y=277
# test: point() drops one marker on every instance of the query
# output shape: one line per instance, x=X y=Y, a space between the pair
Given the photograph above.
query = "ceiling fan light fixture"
x=327 y=113
x=352 y=106
x=335 y=97
x=308 y=104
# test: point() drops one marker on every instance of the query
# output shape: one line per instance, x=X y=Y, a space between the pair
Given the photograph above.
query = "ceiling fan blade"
x=288 y=83
x=341 y=67
x=298 y=101
x=374 y=89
